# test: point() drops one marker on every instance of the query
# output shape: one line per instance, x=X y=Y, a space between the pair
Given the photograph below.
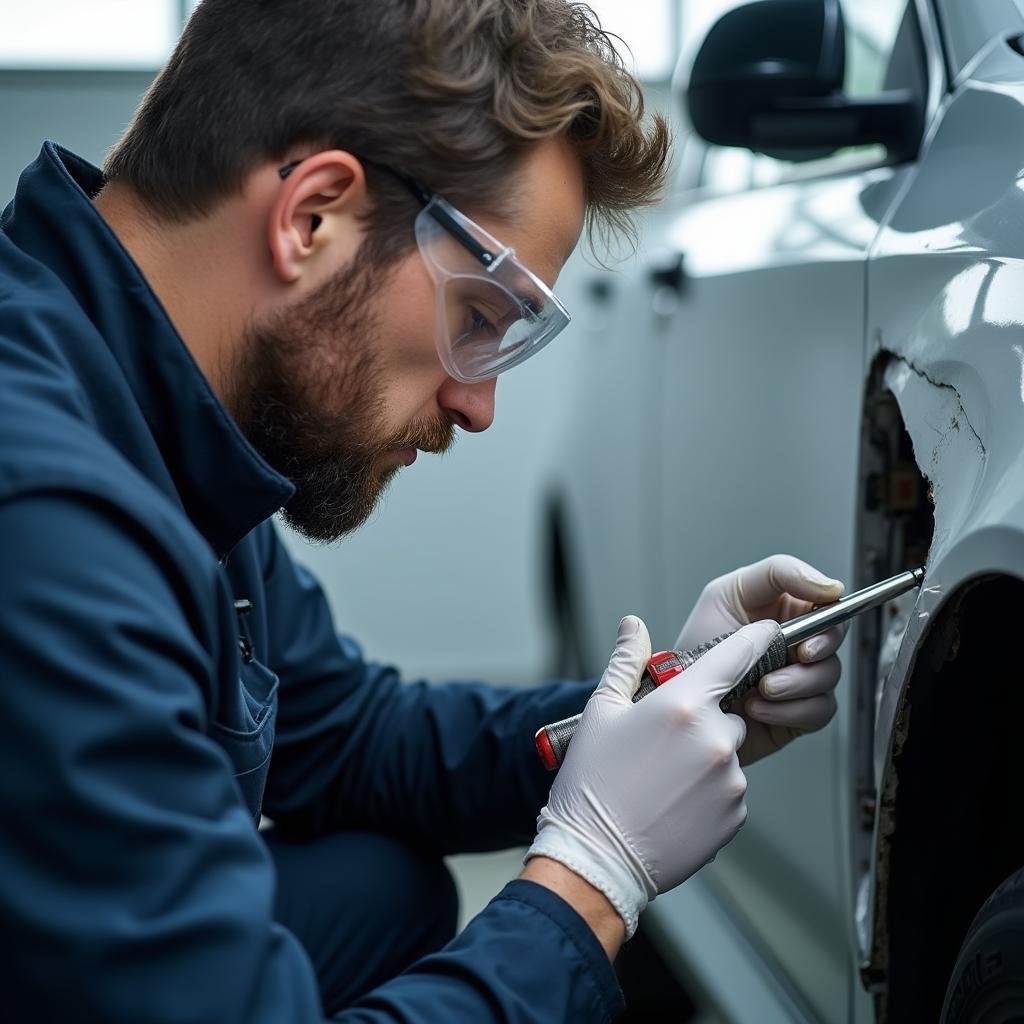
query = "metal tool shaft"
x=552 y=740
x=797 y=630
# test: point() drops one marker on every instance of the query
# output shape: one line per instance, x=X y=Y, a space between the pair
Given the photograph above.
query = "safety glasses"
x=492 y=312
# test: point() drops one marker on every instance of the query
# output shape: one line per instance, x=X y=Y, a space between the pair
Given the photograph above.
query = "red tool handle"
x=552 y=740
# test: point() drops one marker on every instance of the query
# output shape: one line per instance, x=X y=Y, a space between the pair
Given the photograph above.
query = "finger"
x=796 y=681
x=628 y=661
x=806 y=715
x=726 y=664
x=737 y=730
x=822 y=646
x=767 y=580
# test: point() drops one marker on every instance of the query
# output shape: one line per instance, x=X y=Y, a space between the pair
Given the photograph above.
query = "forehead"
x=550 y=206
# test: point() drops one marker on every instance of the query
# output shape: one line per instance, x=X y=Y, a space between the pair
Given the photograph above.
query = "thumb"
x=725 y=665
x=769 y=579
x=629 y=659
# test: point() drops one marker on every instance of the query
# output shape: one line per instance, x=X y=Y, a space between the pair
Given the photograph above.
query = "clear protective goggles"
x=492 y=312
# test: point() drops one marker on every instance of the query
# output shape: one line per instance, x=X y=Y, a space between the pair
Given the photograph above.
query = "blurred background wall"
x=449 y=578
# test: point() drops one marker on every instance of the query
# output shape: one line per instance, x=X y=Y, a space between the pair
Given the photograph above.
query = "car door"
x=763 y=362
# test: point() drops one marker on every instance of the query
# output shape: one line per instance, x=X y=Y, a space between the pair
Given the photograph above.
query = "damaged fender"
x=946 y=315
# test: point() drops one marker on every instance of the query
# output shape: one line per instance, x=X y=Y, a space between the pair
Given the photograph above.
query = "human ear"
x=315 y=205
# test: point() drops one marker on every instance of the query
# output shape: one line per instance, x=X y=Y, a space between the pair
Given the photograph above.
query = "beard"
x=308 y=393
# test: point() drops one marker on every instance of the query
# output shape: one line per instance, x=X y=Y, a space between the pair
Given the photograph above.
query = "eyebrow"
x=531 y=301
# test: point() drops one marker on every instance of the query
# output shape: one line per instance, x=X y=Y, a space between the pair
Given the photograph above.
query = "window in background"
x=141 y=33
x=94 y=34
x=649 y=30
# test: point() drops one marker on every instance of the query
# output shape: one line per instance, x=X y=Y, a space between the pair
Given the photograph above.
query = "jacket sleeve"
x=494 y=970
x=133 y=884
x=449 y=765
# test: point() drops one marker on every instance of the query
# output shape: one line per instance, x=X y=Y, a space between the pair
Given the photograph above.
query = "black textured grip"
x=560 y=733
x=772 y=660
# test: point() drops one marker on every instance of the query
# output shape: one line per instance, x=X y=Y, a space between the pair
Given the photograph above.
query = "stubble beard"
x=308 y=393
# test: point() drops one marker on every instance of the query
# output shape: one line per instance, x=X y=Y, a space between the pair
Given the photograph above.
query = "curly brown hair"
x=452 y=92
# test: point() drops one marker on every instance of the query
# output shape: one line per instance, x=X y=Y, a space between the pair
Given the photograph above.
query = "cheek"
x=411 y=369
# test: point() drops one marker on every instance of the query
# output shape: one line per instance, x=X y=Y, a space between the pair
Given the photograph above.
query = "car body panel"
x=946 y=282
x=604 y=488
x=784 y=265
x=968 y=27
x=751 y=385
x=705 y=940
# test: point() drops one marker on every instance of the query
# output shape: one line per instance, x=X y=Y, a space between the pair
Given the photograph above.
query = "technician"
x=329 y=227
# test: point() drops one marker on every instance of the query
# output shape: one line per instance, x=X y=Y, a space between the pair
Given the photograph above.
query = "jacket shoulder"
x=50 y=438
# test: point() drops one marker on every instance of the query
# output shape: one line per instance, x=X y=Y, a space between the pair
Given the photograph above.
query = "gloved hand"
x=795 y=699
x=649 y=792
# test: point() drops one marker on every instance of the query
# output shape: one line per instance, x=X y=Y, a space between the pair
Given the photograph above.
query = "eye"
x=480 y=326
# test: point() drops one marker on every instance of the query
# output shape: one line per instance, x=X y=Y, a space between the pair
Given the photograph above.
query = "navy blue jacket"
x=138 y=746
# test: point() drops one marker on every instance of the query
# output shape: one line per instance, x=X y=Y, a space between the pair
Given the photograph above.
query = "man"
x=329 y=227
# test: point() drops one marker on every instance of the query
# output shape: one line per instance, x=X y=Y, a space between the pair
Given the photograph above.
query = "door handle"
x=668 y=271
x=599 y=289
x=667 y=276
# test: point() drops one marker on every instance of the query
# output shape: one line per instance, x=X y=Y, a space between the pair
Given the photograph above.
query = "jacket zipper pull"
x=245 y=645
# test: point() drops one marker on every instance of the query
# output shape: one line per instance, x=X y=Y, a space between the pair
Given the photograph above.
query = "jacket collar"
x=224 y=485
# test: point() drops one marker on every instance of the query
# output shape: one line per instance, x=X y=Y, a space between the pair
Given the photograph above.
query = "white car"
x=823 y=354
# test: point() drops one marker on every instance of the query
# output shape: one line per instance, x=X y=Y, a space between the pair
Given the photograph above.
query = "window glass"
x=88 y=33
x=651 y=36
x=871 y=28
x=141 y=33
x=969 y=26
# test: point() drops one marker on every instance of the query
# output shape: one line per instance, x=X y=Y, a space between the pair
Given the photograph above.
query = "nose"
x=469 y=406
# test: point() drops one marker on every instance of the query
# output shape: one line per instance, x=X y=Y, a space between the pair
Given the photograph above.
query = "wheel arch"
x=947 y=833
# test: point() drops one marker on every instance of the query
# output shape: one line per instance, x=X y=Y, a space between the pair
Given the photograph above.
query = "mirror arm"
x=891 y=118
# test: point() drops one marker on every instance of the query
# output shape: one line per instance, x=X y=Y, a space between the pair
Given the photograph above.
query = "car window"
x=872 y=28
x=967 y=27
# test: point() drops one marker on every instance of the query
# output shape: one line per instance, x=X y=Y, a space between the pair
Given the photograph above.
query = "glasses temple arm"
x=425 y=196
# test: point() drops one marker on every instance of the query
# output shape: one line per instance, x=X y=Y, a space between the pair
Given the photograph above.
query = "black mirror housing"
x=769 y=77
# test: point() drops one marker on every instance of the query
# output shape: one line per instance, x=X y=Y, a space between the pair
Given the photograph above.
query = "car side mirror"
x=769 y=77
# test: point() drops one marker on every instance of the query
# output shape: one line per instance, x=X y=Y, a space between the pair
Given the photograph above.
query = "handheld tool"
x=552 y=741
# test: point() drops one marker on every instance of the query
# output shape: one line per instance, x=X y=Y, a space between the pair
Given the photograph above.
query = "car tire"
x=987 y=983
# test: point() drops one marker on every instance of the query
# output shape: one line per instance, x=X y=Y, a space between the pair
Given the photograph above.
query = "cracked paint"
x=902 y=364
x=952 y=456
x=949 y=450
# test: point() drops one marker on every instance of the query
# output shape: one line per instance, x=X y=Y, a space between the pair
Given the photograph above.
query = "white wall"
x=83 y=110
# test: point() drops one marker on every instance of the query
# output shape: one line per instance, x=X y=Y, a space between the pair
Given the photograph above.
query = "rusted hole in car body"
x=895 y=529
x=946 y=823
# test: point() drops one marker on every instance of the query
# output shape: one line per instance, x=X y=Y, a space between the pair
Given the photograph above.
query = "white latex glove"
x=649 y=792
x=795 y=699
